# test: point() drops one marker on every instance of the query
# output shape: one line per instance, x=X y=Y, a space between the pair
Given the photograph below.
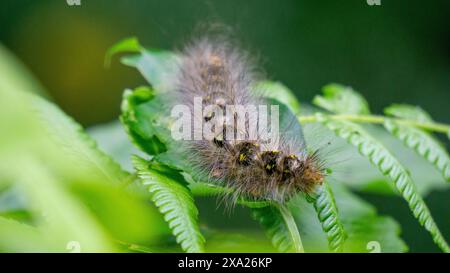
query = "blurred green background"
x=396 y=52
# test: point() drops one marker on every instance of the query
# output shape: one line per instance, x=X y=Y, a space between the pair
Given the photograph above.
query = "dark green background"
x=396 y=52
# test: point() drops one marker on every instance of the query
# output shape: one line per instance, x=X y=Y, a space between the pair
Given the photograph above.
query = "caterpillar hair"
x=219 y=73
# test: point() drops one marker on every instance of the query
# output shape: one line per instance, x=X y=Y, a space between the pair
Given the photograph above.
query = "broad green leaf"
x=147 y=120
x=328 y=216
x=341 y=99
x=156 y=66
x=113 y=140
x=279 y=92
x=128 y=45
x=392 y=168
x=174 y=200
x=142 y=114
x=280 y=229
x=423 y=143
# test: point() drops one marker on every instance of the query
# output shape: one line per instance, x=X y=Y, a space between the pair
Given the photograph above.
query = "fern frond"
x=390 y=167
x=409 y=112
x=423 y=143
x=327 y=212
x=419 y=140
x=280 y=227
x=342 y=99
x=174 y=200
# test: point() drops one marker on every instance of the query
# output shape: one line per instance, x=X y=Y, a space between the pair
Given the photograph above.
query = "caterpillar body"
x=222 y=75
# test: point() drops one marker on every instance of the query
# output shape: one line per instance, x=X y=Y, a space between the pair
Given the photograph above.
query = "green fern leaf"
x=390 y=167
x=174 y=200
x=423 y=143
x=419 y=140
x=368 y=146
x=341 y=99
x=410 y=112
x=327 y=213
x=280 y=227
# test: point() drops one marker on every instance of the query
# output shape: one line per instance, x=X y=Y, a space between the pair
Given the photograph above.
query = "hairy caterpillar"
x=221 y=75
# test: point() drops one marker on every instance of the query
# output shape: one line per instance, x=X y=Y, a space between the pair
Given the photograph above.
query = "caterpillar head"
x=299 y=173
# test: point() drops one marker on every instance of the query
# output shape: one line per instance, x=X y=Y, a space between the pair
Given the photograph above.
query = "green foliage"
x=156 y=66
x=408 y=112
x=72 y=196
x=146 y=112
x=342 y=99
x=145 y=137
x=174 y=200
x=389 y=166
x=279 y=92
x=360 y=220
x=77 y=146
x=386 y=162
x=128 y=45
x=74 y=192
x=355 y=170
x=327 y=213
x=42 y=185
x=421 y=141
x=284 y=237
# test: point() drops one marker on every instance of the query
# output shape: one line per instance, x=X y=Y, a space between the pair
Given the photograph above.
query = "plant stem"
x=431 y=126
x=292 y=227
